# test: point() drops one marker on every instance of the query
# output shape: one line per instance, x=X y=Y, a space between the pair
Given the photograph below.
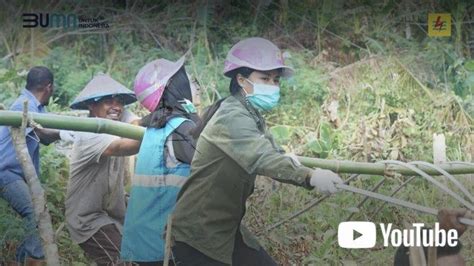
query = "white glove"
x=324 y=181
x=294 y=158
x=66 y=135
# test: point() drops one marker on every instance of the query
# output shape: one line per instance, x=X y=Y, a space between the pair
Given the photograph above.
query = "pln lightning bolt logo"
x=439 y=24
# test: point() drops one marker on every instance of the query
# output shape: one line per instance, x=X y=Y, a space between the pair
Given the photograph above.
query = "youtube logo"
x=356 y=234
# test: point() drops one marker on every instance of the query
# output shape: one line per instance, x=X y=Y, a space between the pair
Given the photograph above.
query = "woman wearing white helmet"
x=234 y=147
x=163 y=87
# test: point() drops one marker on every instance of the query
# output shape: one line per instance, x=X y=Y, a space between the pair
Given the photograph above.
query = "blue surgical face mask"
x=264 y=97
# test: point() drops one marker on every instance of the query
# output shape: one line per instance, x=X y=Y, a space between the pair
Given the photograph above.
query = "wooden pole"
x=168 y=241
x=416 y=254
x=432 y=256
x=37 y=193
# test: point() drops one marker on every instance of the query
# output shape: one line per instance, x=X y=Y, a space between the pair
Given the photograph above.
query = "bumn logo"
x=46 y=20
x=356 y=235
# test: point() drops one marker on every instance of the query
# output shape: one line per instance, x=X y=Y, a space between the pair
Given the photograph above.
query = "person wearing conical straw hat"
x=233 y=148
x=163 y=163
x=95 y=200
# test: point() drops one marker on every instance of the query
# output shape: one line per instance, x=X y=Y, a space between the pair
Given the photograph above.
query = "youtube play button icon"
x=356 y=234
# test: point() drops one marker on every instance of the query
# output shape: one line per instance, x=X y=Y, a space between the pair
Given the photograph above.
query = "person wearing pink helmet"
x=234 y=147
x=163 y=163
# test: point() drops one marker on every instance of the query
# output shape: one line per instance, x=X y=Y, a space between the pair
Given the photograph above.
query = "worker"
x=164 y=88
x=234 y=147
x=95 y=197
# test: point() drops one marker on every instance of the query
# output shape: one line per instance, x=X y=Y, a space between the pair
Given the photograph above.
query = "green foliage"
x=389 y=105
x=11 y=80
x=54 y=177
x=326 y=143
x=308 y=86
x=54 y=172
x=12 y=228
x=282 y=134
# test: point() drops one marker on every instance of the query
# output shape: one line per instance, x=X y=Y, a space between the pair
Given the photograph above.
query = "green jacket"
x=232 y=149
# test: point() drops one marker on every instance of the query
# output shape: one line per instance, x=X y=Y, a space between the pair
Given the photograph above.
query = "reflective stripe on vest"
x=158 y=180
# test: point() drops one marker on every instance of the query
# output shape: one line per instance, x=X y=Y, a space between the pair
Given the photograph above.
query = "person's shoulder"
x=87 y=144
x=231 y=109
x=89 y=136
x=231 y=102
x=233 y=117
x=186 y=126
x=17 y=105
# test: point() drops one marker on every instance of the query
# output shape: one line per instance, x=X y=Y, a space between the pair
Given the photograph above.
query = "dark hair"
x=234 y=88
x=177 y=90
x=38 y=77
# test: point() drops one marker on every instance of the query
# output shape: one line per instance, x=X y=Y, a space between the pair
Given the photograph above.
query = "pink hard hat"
x=255 y=53
x=152 y=79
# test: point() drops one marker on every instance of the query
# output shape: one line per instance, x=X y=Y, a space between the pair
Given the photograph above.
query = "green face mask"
x=188 y=106
x=264 y=97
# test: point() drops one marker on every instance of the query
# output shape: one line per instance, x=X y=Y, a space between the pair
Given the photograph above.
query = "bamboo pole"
x=340 y=166
x=101 y=125
x=42 y=216
x=87 y=124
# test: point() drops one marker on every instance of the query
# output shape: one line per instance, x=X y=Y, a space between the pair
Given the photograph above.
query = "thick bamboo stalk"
x=340 y=166
x=87 y=124
x=100 y=125
x=43 y=218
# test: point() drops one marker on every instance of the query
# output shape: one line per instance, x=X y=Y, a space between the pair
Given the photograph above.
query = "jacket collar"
x=256 y=115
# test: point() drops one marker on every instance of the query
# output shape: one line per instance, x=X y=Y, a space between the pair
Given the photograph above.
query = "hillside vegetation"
x=369 y=85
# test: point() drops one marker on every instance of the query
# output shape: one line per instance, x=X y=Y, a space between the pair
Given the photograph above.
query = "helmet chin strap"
x=243 y=89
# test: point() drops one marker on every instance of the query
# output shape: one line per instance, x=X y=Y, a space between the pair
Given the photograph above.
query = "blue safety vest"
x=153 y=196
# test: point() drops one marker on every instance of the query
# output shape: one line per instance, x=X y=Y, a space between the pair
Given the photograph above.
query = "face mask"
x=264 y=97
x=188 y=106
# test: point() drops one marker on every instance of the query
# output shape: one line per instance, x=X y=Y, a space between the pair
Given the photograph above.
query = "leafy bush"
x=394 y=85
